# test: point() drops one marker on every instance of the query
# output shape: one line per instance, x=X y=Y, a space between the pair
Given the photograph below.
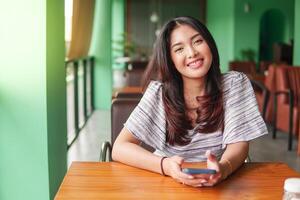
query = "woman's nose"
x=192 y=52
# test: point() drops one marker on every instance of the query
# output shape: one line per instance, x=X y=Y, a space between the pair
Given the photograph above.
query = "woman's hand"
x=212 y=163
x=172 y=167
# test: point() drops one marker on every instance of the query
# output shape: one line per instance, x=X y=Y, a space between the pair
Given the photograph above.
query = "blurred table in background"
x=127 y=89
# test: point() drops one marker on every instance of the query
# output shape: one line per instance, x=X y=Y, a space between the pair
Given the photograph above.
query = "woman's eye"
x=199 y=41
x=178 y=50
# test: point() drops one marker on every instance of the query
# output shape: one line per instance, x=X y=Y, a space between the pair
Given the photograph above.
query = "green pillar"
x=101 y=49
x=118 y=30
x=297 y=34
x=32 y=99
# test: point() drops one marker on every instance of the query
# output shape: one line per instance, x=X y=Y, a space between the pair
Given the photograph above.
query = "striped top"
x=242 y=121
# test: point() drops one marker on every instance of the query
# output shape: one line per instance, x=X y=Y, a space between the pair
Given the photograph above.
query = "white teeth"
x=195 y=63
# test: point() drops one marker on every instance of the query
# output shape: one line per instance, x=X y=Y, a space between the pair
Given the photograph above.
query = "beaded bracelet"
x=161 y=166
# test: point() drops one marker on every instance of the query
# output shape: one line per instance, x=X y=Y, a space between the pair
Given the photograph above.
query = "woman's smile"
x=195 y=64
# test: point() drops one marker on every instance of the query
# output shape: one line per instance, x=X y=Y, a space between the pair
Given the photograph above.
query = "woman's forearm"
x=134 y=155
x=233 y=157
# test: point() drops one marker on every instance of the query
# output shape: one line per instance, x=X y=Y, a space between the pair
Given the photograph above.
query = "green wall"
x=246 y=29
x=101 y=49
x=235 y=30
x=32 y=99
x=118 y=30
x=297 y=34
x=220 y=21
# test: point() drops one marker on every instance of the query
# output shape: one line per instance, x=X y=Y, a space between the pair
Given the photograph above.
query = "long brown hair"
x=161 y=67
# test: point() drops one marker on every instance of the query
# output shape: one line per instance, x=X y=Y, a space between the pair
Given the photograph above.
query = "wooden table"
x=112 y=180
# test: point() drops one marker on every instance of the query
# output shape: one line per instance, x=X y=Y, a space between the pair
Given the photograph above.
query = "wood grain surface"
x=112 y=180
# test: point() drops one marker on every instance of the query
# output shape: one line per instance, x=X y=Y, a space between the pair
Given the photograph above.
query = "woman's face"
x=190 y=53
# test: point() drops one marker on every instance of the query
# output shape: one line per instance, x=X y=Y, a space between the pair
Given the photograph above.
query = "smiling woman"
x=190 y=111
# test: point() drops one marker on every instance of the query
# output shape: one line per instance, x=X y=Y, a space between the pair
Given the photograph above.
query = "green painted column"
x=220 y=21
x=118 y=30
x=297 y=34
x=32 y=99
x=118 y=42
x=101 y=49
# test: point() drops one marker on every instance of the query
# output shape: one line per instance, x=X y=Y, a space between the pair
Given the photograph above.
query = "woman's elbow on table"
x=117 y=150
x=114 y=153
x=120 y=144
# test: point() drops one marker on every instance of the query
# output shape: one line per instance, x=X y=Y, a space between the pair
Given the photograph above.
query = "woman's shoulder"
x=153 y=88
x=155 y=84
x=233 y=78
x=233 y=75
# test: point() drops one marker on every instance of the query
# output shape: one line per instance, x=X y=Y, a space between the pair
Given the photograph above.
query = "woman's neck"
x=192 y=89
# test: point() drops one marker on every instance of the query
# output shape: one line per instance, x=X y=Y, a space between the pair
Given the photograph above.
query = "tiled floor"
x=88 y=144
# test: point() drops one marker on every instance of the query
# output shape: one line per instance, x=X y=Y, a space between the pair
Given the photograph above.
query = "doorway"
x=272 y=31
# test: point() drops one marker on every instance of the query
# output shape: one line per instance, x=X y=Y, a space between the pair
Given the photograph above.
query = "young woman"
x=191 y=112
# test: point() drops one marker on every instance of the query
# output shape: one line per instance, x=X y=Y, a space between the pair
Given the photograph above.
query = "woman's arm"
x=126 y=149
x=233 y=157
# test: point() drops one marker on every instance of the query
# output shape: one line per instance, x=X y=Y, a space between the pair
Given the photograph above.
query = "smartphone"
x=198 y=171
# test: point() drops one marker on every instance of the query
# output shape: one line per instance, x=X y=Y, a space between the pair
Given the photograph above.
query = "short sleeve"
x=147 y=121
x=243 y=121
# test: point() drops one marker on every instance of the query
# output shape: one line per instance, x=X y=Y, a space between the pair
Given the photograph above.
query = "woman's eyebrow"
x=179 y=43
x=176 y=44
x=196 y=35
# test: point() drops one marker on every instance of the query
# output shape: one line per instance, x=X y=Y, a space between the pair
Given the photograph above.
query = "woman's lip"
x=196 y=63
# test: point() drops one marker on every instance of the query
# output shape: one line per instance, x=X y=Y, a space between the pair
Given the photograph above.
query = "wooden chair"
x=247 y=67
x=286 y=102
x=294 y=81
x=265 y=92
x=262 y=96
x=264 y=66
x=121 y=109
x=137 y=95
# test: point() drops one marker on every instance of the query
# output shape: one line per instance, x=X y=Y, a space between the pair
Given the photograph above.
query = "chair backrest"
x=264 y=65
x=282 y=82
x=294 y=83
x=247 y=67
x=120 y=111
x=276 y=80
x=129 y=95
